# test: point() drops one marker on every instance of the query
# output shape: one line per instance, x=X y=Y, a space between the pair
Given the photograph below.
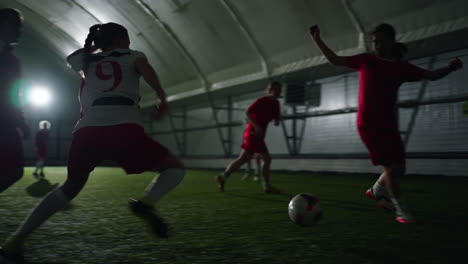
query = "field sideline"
x=242 y=225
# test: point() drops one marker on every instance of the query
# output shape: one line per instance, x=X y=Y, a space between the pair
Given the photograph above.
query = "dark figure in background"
x=11 y=119
x=41 y=140
x=380 y=76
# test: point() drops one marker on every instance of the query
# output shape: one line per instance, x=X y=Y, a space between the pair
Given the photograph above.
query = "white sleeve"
x=75 y=61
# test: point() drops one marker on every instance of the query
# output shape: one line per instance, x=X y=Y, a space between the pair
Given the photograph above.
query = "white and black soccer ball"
x=304 y=209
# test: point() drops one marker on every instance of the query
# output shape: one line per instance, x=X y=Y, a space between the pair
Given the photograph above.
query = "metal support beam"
x=218 y=127
x=249 y=36
x=229 y=128
x=174 y=131
x=189 y=129
x=294 y=140
x=202 y=77
x=357 y=25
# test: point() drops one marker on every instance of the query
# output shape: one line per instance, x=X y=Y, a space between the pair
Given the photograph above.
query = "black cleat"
x=157 y=224
x=42 y=175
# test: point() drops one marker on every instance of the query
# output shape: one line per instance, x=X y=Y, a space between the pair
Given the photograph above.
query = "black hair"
x=399 y=49
x=275 y=85
x=103 y=36
x=386 y=29
x=6 y=13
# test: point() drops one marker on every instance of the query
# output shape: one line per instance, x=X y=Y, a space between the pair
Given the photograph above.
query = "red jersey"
x=263 y=110
x=379 y=81
x=42 y=137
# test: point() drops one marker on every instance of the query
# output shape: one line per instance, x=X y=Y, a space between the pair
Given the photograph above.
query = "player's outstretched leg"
x=248 y=171
x=220 y=180
x=258 y=161
x=48 y=206
x=35 y=174
x=267 y=188
x=171 y=174
x=392 y=181
x=402 y=212
x=377 y=192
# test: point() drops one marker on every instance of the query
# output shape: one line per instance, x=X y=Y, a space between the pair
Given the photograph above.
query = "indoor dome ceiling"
x=200 y=45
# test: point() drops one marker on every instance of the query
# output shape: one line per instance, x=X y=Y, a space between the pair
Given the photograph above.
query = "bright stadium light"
x=39 y=96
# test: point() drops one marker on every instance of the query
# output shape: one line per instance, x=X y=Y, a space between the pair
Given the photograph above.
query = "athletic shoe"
x=404 y=216
x=256 y=178
x=157 y=224
x=382 y=202
x=271 y=190
x=12 y=250
x=42 y=175
x=35 y=174
x=220 y=182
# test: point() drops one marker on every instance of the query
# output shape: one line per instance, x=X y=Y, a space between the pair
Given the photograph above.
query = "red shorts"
x=384 y=145
x=41 y=153
x=253 y=144
x=126 y=144
x=11 y=148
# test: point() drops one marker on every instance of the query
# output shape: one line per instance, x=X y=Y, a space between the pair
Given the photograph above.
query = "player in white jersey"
x=109 y=129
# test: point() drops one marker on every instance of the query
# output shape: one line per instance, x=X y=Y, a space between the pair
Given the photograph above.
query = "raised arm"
x=326 y=51
x=150 y=76
x=434 y=75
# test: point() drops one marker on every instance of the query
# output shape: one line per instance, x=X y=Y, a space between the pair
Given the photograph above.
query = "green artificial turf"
x=242 y=225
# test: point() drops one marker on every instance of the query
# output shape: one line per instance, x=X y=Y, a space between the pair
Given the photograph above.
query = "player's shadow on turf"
x=40 y=188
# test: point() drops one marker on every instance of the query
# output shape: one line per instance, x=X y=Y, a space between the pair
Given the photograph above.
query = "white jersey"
x=108 y=74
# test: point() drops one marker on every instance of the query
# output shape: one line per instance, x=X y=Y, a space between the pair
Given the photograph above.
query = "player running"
x=41 y=140
x=110 y=128
x=259 y=114
x=250 y=171
x=380 y=76
x=11 y=119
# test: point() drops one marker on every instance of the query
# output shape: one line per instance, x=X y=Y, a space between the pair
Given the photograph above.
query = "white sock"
x=49 y=205
x=163 y=183
x=378 y=190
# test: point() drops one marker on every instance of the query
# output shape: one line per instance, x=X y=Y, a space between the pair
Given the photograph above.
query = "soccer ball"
x=304 y=209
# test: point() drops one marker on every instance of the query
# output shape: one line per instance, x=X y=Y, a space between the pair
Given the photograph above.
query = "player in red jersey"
x=109 y=128
x=259 y=114
x=11 y=119
x=380 y=76
x=41 y=139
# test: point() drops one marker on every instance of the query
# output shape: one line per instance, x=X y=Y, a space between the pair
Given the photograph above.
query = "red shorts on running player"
x=41 y=153
x=11 y=148
x=384 y=145
x=126 y=144
x=252 y=143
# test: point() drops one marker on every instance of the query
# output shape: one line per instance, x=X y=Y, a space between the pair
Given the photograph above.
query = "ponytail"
x=92 y=36
x=102 y=36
